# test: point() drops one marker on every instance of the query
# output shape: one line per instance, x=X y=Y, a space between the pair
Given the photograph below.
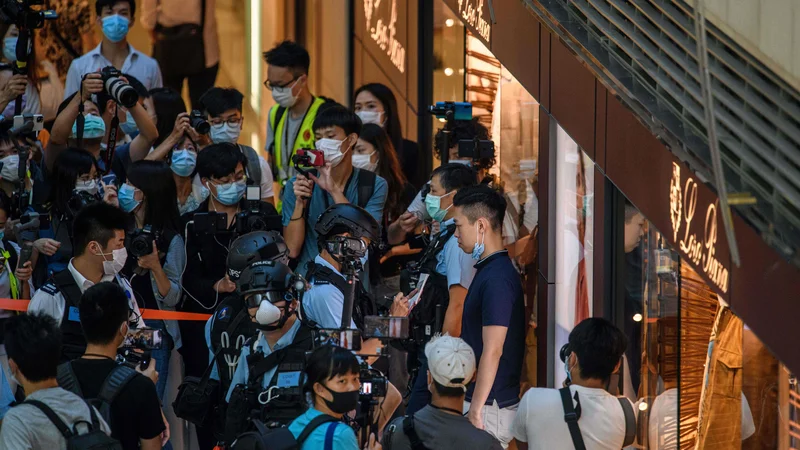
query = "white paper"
x=423 y=278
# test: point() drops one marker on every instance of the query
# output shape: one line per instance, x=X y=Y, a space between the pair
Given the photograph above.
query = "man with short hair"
x=224 y=109
x=114 y=17
x=33 y=343
x=493 y=322
x=135 y=413
x=100 y=253
x=594 y=352
x=451 y=366
x=289 y=127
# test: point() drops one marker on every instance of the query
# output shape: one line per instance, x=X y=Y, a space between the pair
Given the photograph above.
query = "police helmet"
x=271 y=277
x=255 y=246
x=347 y=218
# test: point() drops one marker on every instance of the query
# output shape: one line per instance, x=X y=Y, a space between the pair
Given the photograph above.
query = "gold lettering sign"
x=383 y=34
x=471 y=11
x=701 y=251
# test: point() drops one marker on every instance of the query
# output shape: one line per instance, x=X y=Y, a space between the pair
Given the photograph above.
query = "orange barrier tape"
x=22 y=305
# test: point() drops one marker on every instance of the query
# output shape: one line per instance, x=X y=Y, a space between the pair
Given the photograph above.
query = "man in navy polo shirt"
x=493 y=322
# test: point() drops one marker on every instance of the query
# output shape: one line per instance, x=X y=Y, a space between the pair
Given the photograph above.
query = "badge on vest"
x=223 y=313
x=288 y=379
x=74 y=315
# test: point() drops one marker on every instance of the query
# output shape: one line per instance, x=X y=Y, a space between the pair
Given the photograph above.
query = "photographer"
x=114 y=17
x=156 y=256
x=134 y=412
x=100 y=254
x=9 y=163
x=305 y=198
x=15 y=281
x=224 y=110
x=333 y=382
x=31 y=100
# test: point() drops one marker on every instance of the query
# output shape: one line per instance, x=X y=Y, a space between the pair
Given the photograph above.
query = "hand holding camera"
x=150 y=261
x=15 y=87
x=92 y=84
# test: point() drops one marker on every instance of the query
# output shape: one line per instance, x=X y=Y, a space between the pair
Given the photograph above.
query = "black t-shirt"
x=135 y=413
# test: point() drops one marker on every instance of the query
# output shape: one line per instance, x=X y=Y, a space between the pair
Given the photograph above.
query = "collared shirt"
x=323 y=303
x=53 y=304
x=243 y=372
x=141 y=66
x=452 y=262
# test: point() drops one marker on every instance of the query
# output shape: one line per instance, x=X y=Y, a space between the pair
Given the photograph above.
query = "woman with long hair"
x=376 y=103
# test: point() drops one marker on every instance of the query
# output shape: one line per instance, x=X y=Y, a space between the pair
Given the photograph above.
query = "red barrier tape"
x=22 y=305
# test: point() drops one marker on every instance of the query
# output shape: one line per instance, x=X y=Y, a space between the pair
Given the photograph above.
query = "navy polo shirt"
x=495 y=298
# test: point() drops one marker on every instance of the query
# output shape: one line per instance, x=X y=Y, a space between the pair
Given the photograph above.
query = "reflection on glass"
x=448 y=53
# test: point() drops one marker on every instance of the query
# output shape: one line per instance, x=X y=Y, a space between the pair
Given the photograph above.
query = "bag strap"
x=411 y=434
x=366 y=186
x=115 y=382
x=329 y=433
x=266 y=364
x=65 y=375
x=313 y=425
x=571 y=416
x=93 y=415
x=630 y=421
x=62 y=427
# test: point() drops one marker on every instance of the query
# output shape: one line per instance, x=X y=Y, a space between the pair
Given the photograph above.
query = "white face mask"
x=118 y=258
x=363 y=162
x=86 y=186
x=283 y=95
x=10 y=170
x=332 y=150
x=375 y=117
x=267 y=313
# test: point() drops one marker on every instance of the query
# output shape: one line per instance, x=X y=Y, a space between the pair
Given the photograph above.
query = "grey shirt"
x=25 y=427
x=439 y=430
x=292 y=128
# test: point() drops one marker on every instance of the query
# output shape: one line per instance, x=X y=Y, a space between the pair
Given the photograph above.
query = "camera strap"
x=112 y=140
x=80 y=120
x=571 y=415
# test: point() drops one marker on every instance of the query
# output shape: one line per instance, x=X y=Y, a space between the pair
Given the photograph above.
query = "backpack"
x=112 y=386
x=93 y=439
x=263 y=438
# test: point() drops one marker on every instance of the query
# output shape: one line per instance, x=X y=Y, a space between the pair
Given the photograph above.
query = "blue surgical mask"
x=129 y=127
x=466 y=162
x=10 y=48
x=126 y=200
x=433 y=205
x=229 y=194
x=93 y=127
x=225 y=133
x=183 y=162
x=477 y=250
x=566 y=369
x=115 y=27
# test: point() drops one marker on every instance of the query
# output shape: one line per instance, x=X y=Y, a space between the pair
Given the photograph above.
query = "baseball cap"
x=451 y=361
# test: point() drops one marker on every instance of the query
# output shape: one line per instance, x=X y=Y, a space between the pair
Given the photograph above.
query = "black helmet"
x=267 y=276
x=255 y=246
x=348 y=218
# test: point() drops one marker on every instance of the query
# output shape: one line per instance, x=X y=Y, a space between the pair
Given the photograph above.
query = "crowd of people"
x=127 y=212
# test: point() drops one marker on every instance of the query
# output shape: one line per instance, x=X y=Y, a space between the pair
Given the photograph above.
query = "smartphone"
x=253 y=193
x=386 y=327
x=36 y=119
x=466 y=149
x=108 y=180
x=461 y=110
x=347 y=338
x=310 y=158
x=210 y=222
x=143 y=338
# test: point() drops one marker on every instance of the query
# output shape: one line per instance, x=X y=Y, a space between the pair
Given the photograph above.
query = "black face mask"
x=343 y=402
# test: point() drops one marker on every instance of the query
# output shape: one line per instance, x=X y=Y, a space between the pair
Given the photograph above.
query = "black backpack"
x=93 y=439
x=263 y=438
x=112 y=386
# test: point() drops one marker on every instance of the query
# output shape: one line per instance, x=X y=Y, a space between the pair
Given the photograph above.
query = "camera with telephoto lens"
x=20 y=13
x=141 y=241
x=199 y=122
x=122 y=92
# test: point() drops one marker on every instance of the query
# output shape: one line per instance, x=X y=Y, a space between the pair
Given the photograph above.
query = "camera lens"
x=121 y=92
x=141 y=246
x=200 y=125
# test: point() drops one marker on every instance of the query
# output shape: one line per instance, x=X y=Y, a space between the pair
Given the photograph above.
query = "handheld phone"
x=309 y=158
x=143 y=338
x=386 y=327
x=36 y=121
x=461 y=110
x=210 y=222
x=108 y=180
x=347 y=338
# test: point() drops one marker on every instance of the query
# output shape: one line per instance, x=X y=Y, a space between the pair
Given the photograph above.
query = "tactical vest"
x=305 y=135
x=74 y=343
x=248 y=401
x=230 y=328
x=363 y=304
x=423 y=319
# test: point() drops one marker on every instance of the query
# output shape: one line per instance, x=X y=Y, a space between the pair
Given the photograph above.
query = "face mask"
x=93 y=127
x=225 y=133
x=87 y=186
x=10 y=170
x=10 y=48
x=465 y=162
x=267 y=316
x=375 y=117
x=126 y=200
x=363 y=162
x=477 y=250
x=343 y=402
x=183 y=162
x=433 y=206
x=129 y=126
x=332 y=149
x=115 y=27
x=230 y=194
x=566 y=368
x=118 y=258
x=283 y=95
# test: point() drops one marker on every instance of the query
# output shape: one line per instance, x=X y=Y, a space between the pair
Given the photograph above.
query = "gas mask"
x=269 y=317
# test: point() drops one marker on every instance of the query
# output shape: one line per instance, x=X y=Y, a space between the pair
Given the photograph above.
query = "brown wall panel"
x=514 y=24
x=601 y=99
x=546 y=173
x=545 y=42
x=599 y=242
x=572 y=96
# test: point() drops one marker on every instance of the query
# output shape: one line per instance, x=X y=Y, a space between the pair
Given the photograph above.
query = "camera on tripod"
x=141 y=242
x=481 y=152
x=199 y=122
x=122 y=92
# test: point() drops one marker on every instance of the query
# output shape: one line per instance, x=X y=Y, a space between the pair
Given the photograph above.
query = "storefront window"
x=448 y=60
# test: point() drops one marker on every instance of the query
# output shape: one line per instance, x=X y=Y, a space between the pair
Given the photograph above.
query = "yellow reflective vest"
x=305 y=136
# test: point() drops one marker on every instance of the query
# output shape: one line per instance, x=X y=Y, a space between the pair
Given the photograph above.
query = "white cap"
x=451 y=361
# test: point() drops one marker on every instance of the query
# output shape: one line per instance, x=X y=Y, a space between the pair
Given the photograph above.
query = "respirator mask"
x=269 y=317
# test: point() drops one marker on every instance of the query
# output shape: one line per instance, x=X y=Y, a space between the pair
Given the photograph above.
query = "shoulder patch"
x=224 y=313
x=49 y=288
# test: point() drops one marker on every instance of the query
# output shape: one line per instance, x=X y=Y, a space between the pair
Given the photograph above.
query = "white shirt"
x=141 y=66
x=53 y=305
x=540 y=420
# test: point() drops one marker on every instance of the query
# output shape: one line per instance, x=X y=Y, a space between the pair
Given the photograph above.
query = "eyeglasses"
x=271 y=86
x=228 y=180
x=233 y=121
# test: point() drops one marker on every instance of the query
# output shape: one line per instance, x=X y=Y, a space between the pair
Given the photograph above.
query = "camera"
x=122 y=92
x=78 y=200
x=253 y=219
x=27 y=125
x=20 y=13
x=28 y=227
x=199 y=122
x=141 y=241
x=373 y=382
x=476 y=149
x=452 y=110
x=133 y=358
x=346 y=247
x=307 y=158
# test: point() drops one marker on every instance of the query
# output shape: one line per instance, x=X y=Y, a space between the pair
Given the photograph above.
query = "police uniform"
x=226 y=331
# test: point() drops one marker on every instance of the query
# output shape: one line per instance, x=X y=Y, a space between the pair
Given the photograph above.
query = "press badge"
x=74 y=315
x=288 y=379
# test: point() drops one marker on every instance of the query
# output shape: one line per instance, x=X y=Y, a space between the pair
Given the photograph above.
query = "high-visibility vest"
x=305 y=136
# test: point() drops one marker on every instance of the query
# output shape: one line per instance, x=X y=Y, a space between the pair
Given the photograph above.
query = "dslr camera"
x=141 y=243
x=20 y=13
x=252 y=218
x=122 y=92
x=199 y=122
x=78 y=201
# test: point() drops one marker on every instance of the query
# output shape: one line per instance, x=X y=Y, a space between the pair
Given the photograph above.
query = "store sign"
x=475 y=13
x=695 y=235
x=383 y=31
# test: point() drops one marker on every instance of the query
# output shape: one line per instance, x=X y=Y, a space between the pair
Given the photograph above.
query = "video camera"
x=20 y=13
x=137 y=347
x=122 y=92
x=141 y=241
